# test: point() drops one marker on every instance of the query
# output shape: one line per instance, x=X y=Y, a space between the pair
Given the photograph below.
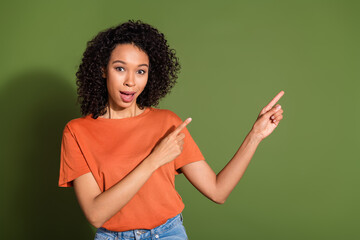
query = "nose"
x=129 y=80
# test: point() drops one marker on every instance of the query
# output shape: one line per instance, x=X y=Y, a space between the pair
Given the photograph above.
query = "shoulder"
x=166 y=114
x=77 y=123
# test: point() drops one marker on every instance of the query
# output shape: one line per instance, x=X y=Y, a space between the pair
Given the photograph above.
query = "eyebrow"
x=125 y=63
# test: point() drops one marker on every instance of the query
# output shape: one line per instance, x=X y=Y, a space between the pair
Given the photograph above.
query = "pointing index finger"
x=181 y=126
x=274 y=101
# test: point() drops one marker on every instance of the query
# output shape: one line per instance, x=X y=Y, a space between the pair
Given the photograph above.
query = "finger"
x=181 y=126
x=272 y=111
x=181 y=142
x=278 y=118
x=272 y=102
x=276 y=122
x=180 y=137
x=278 y=113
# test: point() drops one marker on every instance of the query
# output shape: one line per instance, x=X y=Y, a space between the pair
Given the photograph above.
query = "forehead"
x=129 y=53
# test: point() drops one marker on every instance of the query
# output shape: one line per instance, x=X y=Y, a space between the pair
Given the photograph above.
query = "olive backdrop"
x=303 y=181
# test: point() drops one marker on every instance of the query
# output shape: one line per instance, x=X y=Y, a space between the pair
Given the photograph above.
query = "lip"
x=127 y=96
x=127 y=92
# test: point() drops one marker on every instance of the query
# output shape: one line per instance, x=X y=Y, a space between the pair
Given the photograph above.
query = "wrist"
x=151 y=163
x=255 y=137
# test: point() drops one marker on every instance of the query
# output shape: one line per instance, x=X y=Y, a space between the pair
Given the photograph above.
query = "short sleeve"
x=191 y=152
x=72 y=161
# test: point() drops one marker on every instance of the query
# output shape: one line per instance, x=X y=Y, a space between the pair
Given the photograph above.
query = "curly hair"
x=164 y=66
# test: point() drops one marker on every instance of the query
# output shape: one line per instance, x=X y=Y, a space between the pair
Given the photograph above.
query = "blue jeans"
x=173 y=229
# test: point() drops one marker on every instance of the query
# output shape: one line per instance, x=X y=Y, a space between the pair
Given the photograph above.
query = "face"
x=126 y=75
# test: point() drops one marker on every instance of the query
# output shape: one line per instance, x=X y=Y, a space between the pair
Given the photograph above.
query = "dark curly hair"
x=164 y=66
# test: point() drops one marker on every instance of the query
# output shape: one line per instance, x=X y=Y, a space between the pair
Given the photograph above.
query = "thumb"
x=272 y=111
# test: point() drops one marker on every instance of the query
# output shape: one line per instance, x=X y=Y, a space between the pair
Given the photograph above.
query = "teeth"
x=125 y=93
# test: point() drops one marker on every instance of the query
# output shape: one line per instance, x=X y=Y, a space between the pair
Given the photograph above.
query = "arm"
x=218 y=187
x=99 y=207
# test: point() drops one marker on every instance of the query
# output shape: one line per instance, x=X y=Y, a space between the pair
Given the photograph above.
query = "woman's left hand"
x=269 y=118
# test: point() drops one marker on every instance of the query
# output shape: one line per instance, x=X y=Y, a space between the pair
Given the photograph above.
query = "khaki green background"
x=303 y=181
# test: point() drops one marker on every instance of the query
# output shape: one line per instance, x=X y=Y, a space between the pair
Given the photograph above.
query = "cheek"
x=113 y=82
x=112 y=88
x=143 y=82
x=109 y=85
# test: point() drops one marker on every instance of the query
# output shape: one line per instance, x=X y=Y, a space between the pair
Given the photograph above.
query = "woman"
x=122 y=156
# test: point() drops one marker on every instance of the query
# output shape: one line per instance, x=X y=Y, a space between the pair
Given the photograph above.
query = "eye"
x=141 y=72
x=120 y=69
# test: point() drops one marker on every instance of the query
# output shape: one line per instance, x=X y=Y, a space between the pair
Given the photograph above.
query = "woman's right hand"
x=170 y=147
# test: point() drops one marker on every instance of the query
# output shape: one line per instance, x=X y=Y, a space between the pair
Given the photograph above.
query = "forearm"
x=230 y=175
x=109 y=202
x=104 y=205
x=218 y=187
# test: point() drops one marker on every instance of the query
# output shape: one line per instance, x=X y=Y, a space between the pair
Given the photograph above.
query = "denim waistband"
x=145 y=233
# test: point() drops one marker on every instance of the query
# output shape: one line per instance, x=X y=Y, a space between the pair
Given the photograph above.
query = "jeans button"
x=156 y=236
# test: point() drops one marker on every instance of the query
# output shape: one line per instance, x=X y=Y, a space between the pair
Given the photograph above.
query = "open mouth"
x=127 y=96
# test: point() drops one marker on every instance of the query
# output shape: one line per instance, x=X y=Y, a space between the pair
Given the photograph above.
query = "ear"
x=103 y=72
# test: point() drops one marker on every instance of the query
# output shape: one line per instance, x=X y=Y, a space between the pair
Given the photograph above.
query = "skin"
x=99 y=207
x=127 y=70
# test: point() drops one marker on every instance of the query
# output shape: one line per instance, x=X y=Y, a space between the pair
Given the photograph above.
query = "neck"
x=120 y=113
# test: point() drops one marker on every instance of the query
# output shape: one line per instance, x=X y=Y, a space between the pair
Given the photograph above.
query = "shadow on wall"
x=35 y=107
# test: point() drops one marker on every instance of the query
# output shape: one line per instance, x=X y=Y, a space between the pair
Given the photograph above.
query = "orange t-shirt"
x=112 y=148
